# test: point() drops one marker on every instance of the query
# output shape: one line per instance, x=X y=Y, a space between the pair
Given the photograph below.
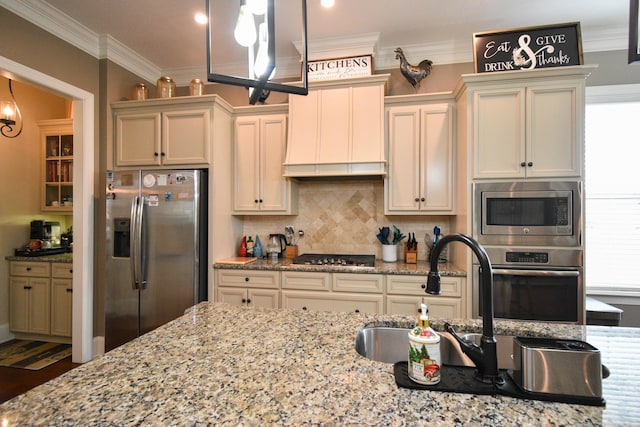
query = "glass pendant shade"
x=245 y=31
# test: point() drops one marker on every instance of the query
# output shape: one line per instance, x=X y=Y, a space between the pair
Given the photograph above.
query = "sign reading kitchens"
x=341 y=68
x=528 y=48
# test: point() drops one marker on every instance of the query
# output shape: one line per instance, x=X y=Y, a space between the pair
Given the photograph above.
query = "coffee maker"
x=46 y=231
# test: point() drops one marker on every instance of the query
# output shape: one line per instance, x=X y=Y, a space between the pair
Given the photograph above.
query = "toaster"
x=557 y=366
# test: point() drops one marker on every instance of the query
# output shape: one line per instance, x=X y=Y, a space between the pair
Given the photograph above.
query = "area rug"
x=33 y=355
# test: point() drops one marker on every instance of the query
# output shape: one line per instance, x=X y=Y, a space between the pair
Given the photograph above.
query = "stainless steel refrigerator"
x=156 y=249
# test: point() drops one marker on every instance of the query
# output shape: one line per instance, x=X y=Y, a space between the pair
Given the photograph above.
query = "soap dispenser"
x=424 y=351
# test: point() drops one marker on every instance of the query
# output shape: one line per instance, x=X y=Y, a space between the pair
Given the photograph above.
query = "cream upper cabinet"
x=164 y=132
x=57 y=166
x=527 y=127
x=337 y=129
x=421 y=159
x=260 y=143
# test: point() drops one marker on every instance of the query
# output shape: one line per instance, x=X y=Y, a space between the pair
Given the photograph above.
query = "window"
x=612 y=193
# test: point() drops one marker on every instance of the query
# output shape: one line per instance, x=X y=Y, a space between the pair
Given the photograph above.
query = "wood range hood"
x=337 y=130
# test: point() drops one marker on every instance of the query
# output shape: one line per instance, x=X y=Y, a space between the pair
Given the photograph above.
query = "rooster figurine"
x=414 y=74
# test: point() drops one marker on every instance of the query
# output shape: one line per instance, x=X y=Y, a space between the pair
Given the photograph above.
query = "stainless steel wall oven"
x=535 y=285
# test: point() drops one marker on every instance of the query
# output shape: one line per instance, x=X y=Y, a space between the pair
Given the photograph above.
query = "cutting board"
x=237 y=260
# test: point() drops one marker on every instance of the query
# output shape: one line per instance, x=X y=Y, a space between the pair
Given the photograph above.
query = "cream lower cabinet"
x=30 y=297
x=61 y=299
x=406 y=292
x=321 y=291
x=254 y=288
x=260 y=145
x=421 y=159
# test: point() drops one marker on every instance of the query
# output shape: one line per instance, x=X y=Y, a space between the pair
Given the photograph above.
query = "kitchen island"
x=225 y=365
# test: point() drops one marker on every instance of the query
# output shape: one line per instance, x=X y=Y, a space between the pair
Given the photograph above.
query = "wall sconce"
x=253 y=25
x=9 y=113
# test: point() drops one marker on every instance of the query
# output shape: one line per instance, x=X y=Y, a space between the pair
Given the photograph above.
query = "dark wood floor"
x=15 y=381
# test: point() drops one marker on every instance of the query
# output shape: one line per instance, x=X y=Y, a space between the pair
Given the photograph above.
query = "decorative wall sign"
x=341 y=68
x=528 y=48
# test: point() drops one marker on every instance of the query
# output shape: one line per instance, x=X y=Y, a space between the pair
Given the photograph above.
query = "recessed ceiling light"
x=327 y=3
x=200 y=18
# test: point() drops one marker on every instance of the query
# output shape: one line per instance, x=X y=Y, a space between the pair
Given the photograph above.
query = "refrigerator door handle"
x=133 y=243
x=142 y=271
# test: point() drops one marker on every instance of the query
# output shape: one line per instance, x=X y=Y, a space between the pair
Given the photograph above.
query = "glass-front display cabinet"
x=57 y=173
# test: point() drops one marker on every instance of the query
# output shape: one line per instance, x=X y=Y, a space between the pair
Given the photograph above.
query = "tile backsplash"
x=343 y=216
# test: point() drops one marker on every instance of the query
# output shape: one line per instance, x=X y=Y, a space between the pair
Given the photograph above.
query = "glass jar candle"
x=195 y=87
x=166 y=87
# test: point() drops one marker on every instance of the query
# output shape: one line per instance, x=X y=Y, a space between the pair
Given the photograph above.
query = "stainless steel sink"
x=390 y=345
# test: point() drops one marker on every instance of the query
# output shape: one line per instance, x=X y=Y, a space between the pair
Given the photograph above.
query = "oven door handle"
x=552 y=273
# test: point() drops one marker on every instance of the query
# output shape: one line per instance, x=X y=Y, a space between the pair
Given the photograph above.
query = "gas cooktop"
x=335 y=260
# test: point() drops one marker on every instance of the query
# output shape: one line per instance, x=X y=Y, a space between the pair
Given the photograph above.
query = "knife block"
x=410 y=255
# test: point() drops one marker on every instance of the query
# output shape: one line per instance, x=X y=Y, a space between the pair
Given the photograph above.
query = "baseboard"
x=98 y=346
x=5 y=334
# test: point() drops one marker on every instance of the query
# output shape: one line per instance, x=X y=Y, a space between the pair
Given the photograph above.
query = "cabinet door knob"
x=69 y=290
x=248 y=300
x=523 y=164
x=255 y=200
x=417 y=199
x=530 y=164
x=260 y=200
x=304 y=308
x=71 y=271
x=423 y=286
x=357 y=311
x=155 y=154
x=27 y=287
x=28 y=268
x=244 y=300
x=246 y=279
x=422 y=199
x=163 y=154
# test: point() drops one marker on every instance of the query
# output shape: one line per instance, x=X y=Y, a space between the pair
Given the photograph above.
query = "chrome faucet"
x=484 y=356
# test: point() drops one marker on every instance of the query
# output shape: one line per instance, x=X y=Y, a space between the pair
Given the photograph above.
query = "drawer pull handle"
x=304 y=308
x=28 y=268
x=69 y=290
x=246 y=279
x=27 y=287
x=357 y=310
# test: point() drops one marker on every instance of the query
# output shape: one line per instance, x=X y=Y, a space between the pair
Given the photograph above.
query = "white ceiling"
x=158 y=37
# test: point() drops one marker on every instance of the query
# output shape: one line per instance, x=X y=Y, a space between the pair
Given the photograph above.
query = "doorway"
x=83 y=206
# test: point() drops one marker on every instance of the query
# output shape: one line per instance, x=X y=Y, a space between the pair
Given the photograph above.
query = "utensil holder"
x=389 y=253
x=291 y=251
x=410 y=256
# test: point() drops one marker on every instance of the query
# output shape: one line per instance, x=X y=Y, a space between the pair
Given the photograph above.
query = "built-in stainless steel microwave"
x=528 y=213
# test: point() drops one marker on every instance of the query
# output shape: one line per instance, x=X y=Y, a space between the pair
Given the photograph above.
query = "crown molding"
x=114 y=50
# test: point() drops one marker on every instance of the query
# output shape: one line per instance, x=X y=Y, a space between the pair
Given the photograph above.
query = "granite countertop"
x=226 y=365
x=65 y=257
x=421 y=268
